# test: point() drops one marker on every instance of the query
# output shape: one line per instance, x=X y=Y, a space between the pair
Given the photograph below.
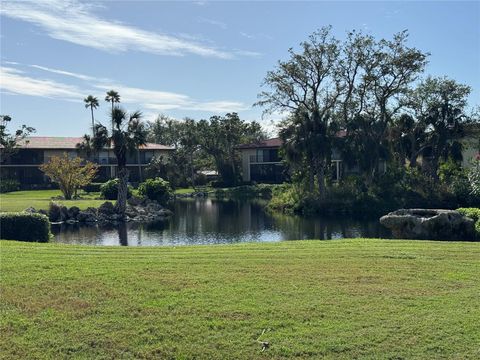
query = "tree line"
x=366 y=98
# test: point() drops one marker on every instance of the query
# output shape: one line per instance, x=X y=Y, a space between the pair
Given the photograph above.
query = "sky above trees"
x=195 y=59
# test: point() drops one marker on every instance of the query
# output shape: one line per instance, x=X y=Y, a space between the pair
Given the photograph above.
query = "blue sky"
x=195 y=59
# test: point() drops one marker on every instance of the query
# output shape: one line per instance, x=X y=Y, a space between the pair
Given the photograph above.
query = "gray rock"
x=106 y=208
x=57 y=212
x=134 y=201
x=73 y=212
x=434 y=224
x=86 y=217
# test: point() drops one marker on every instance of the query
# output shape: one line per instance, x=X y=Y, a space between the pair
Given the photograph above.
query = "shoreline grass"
x=323 y=299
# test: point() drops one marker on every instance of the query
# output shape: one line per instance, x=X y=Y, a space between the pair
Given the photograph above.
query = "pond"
x=214 y=221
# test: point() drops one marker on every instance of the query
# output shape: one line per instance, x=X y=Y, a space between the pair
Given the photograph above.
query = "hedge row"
x=24 y=227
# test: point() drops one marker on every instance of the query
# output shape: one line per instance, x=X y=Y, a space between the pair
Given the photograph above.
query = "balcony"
x=263 y=159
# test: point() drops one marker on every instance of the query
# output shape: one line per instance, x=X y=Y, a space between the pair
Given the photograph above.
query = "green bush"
x=156 y=189
x=474 y=214
x=24 y=227
x=9 y=185
x=93 y=187
x=109 y=190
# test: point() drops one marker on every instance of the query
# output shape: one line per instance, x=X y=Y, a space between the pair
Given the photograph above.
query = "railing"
x=263 y=159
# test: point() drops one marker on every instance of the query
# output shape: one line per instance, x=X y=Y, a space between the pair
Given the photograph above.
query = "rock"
x=92 y=210
x=131 y=211
x=73 y=212
x=86 y=217
x=30 y=210
x=134 y=201
x=106 y=208
x=433 y=224
x=57 y=212
x=64 y=212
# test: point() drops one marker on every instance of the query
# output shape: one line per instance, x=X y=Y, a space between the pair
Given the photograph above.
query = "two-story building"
x=23 y=166
x=261 y=162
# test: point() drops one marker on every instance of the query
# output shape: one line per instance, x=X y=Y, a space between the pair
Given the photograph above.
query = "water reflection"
x=212 y=221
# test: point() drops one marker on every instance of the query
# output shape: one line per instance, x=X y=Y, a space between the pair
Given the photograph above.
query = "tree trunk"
x=93 y=122
x=192 y=170
x=122 y=191
x=311 y=180
x=321 y=179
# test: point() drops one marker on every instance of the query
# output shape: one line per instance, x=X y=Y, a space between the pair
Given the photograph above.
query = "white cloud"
x=63 y=72
x=164 y=100
x=216 y=23
x=74 y=22
x=13 y=81
x=246 y=35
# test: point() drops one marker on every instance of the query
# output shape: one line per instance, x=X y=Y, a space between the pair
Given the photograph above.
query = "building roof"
x=70 y=143
x=269 y=143
x=277 y=142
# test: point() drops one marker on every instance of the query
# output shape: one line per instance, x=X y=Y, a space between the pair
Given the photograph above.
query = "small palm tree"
x=92 y=103
x=112 y=97
x=127 y=134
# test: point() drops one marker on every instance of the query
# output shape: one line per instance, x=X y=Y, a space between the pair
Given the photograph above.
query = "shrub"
x=92 y=187
x=24 y=227
x=9 y=185
x=474 y=214
x=109 y=190
x=156 y=189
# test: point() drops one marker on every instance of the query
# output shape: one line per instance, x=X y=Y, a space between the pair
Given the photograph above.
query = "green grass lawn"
x=382 y=299
x=184 y=190
x=40 y=199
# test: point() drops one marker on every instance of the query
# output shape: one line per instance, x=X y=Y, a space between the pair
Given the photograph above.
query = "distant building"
x=36 y=150
x=470 y=143
x=262 y=163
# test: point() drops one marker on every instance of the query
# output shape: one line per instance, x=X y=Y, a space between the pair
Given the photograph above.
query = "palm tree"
x=112 y=97
x=127 y=134
x=92 y=103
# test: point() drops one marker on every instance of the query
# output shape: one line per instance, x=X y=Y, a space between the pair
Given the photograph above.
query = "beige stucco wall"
x=246 y=162
x=471 y=147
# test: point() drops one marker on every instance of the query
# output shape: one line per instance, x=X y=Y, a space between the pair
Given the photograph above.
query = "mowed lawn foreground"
x=360 y=298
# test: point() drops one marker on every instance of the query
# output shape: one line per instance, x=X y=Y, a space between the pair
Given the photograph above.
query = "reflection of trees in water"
x=218 y=221
x=77 y=234
x=296 y=227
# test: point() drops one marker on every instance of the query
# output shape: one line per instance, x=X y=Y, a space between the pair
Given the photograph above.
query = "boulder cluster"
x=141 y=210
x=433 y=224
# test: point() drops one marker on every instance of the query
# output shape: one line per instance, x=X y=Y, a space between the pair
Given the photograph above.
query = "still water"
x=212 y=221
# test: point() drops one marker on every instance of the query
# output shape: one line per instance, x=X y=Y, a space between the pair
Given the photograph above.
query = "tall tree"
x=129 y=132
x=9 y=141
x=308 y=84
x=92 y=103
x=112 y=97
x=387 y=68
x=439 y=103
